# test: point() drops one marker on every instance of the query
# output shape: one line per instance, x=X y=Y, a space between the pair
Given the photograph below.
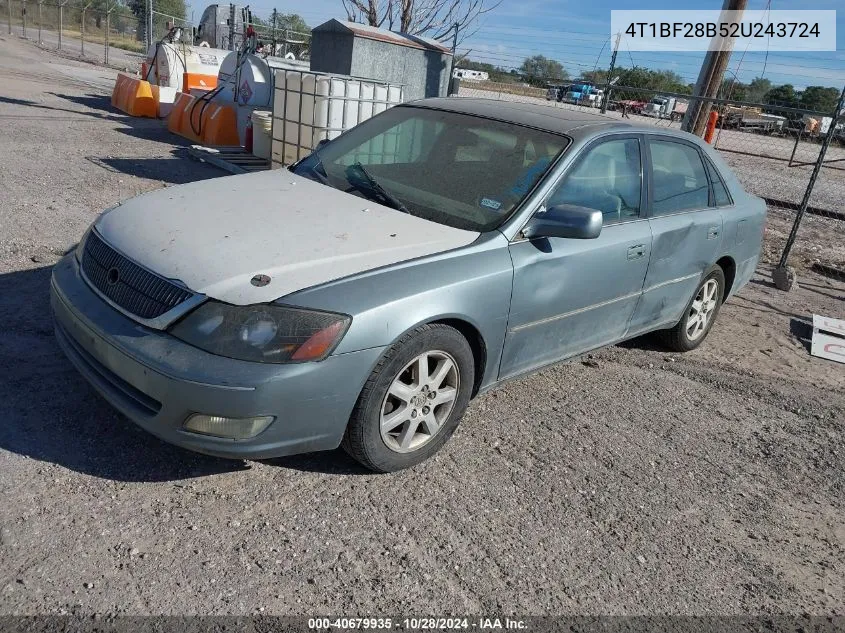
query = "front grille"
x=136 y=290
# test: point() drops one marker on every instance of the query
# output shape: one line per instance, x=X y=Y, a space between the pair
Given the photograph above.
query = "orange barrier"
x=174 y=119
x=711 y=126
x=217 y=122
x=118 y=87
x=220 y=125
x=134 y=97
x=195 y=80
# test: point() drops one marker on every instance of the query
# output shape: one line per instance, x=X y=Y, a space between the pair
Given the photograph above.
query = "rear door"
x=686 y=227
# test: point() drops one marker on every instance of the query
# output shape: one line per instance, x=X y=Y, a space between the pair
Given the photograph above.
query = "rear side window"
x=721 y=197
x=680 y=182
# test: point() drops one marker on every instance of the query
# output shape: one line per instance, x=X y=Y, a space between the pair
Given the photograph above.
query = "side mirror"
x=565 y=220
x=321 y=143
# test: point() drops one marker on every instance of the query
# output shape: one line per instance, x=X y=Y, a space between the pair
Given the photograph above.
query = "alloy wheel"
x=702 y=309
x=419 y=401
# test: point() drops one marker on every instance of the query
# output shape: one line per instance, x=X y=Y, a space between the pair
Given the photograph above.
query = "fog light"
x=231 y=428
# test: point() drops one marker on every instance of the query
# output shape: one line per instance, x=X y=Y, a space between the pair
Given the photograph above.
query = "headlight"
x=262 y=333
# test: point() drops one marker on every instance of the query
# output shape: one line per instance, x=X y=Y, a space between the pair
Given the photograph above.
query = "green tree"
x=595 y=77
x=292 y=22
x=733 y=89
x=757 y=90
x=784 y=95
x=539 y=70
x=819 y=98
x=163 y=12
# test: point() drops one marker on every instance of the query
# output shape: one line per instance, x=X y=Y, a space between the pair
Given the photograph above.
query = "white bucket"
x=262 y=124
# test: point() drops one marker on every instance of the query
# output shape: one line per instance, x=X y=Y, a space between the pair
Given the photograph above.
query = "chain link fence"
x=774 y=151
x=105 y=32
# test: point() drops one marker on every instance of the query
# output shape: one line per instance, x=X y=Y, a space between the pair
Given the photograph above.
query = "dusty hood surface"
x=215 y=235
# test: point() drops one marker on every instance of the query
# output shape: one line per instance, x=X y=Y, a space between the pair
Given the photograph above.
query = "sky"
x=577 y=32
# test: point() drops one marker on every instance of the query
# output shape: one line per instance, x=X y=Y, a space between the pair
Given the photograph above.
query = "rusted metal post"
x=9 y=5
x=795 y=147
x=23 y=16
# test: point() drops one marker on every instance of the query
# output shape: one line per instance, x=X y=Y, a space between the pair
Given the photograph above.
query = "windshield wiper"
x=318 y=170
x=374 y=184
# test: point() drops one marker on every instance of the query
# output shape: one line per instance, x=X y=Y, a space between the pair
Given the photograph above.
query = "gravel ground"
x=631 y=482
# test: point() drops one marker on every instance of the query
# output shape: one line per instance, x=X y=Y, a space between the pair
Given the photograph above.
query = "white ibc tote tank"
x=309 y=107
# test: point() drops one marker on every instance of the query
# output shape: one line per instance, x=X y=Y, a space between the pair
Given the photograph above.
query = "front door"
x=571 y=295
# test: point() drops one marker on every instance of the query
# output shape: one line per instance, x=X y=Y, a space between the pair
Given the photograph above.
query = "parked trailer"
x=753 y=120
x=470 y=75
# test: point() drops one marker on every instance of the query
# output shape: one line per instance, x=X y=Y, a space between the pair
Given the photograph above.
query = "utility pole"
x=607 y=83
x=149 y=24
x=9 y=4
x=23 y=15
x=457 y=27
x=274 y=33
x=711 y=74
x=231 y=27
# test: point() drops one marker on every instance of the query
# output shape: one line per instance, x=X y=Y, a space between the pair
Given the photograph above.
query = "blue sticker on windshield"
x=491 y=204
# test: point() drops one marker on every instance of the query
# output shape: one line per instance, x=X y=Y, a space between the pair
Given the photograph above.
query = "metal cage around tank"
x=309 y=107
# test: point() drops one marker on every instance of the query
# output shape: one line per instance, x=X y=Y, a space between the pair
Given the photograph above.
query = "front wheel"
x=413 y=400
x=700 y=314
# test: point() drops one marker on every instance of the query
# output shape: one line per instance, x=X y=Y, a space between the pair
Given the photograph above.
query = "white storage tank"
x=255 y=80
x=309 y=107
x=170 y=62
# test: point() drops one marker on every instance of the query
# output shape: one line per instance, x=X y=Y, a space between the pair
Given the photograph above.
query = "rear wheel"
x=700 y=314
x=413 y=400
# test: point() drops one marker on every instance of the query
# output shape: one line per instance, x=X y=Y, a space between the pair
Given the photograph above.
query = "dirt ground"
x=630 y=482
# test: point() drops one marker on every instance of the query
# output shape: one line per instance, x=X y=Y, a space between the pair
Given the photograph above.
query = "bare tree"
x=433 y=18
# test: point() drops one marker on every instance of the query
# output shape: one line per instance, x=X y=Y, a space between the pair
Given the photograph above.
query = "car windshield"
x=455 y=169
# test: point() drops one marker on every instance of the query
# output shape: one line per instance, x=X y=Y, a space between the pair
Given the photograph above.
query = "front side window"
x=607 y=178
x=454 y=169
x=680 y=183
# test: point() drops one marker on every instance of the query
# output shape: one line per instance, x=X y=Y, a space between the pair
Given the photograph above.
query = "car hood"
x=215 y=235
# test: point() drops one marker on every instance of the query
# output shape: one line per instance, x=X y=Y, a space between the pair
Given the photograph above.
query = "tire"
x=371 y=437
x=684 y=337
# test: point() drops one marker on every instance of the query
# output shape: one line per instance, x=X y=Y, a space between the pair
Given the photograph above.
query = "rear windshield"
x=455 y=169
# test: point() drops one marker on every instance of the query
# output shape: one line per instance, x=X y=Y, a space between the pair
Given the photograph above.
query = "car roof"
x=577 y=124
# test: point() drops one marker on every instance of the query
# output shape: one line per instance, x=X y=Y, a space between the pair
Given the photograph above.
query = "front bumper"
x=158 y=381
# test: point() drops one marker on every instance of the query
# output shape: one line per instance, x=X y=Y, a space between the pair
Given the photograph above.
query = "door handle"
x=712 y=232
x=636 y=252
